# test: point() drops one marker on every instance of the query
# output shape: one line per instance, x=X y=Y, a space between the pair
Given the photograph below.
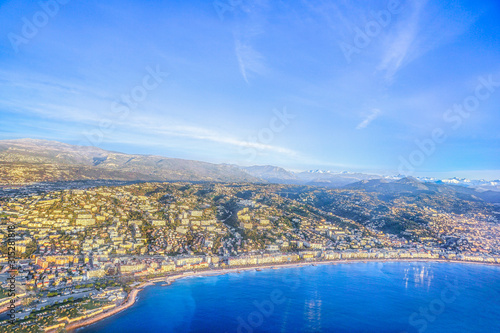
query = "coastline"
x=131 y=297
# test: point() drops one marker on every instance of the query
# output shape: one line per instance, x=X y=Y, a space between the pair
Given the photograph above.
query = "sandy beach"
x=170 y=279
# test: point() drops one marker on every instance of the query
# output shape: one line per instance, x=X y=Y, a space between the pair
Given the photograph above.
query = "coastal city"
x=249 y=166
x=73 y=256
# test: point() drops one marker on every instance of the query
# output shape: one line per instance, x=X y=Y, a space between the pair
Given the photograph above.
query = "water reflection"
x=421 y=276
x=313 y=309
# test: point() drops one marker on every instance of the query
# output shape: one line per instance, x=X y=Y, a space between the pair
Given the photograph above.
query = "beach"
x=131 y=298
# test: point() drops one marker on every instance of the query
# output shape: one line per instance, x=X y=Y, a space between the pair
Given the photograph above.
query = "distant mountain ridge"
x=272 y=174
x=279 y=175
x=413 y=187
x=328 y=178
x=60 y=161
x=29 y=161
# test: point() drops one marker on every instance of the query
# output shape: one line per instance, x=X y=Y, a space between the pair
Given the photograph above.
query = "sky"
x=391 y=87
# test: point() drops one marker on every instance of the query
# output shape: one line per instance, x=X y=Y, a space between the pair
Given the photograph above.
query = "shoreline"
x=131 y=297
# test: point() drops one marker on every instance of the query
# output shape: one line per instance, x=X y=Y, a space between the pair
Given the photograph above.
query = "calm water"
x=358 y=297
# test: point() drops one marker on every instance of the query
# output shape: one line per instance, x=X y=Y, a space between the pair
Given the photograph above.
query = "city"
x=80 y=252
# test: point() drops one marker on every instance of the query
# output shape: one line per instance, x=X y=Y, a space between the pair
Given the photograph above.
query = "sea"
x=356 y=297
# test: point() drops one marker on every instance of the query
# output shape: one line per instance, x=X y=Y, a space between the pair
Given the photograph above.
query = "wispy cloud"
x=402 y=42
x=371 y=117
x=205 y=134
x=96 y=110
x=254 y=17
x=249 y=60
x=424 y=26
x=340 y=16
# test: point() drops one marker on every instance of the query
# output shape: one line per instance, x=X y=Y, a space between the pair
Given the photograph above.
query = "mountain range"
x=25 y=161
x=411 y=186
x=42 y=160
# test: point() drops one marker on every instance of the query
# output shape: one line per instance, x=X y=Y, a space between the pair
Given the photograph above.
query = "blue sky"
x=337 y=85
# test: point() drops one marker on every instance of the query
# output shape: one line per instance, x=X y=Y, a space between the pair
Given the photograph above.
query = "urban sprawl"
x=74 y=254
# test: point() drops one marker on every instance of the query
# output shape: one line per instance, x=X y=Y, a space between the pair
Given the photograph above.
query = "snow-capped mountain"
x=476 y=183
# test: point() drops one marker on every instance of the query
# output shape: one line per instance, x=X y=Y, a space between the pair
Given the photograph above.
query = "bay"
x=353 y=297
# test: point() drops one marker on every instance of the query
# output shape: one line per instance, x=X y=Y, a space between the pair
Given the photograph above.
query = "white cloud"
x=204 y=134
x=249 y=60
x=252 y=26
x=421 y=27
x=371 y=117
x=403 y=42
x=96 y=110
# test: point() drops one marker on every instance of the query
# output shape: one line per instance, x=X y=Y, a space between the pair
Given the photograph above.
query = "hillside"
x=411 y=187
x=28 y=160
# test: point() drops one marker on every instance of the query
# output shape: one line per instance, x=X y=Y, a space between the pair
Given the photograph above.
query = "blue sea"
x=353 y=297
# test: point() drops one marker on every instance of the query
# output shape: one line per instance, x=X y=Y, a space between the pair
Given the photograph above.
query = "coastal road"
x=52 y=300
